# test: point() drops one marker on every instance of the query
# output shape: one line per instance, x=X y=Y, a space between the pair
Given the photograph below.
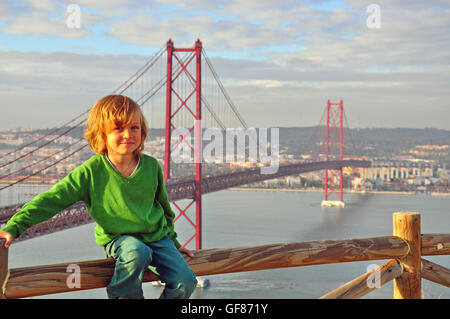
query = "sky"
x=280 y=61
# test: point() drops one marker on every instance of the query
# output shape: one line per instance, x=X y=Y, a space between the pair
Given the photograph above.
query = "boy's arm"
x=62 y=195
x=163 y=199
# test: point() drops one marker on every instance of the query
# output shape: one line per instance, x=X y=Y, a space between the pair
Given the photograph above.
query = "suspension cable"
x=41 y=146
x=222 y=88
x=43 y=169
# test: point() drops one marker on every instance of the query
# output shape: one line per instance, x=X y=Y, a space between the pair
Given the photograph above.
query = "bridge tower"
x=172 y=75
x=334 y=151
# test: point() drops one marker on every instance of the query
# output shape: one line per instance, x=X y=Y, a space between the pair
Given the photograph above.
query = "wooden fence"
x=404 y=251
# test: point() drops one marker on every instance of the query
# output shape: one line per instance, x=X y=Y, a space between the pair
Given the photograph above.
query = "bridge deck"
x=77 y=215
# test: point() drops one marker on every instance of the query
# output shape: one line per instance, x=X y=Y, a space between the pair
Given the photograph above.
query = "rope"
x=3 y=294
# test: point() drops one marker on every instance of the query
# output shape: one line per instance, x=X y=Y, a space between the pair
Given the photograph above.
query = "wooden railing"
x=404 y=251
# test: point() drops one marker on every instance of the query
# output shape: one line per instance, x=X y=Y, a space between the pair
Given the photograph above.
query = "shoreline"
x=311 y=190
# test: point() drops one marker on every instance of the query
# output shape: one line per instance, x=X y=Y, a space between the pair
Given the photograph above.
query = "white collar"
x=137 y=165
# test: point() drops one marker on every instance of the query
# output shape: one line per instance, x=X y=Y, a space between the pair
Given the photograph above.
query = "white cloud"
x=106 y=4
x=46 y=5
x=150 y=30
x=316 y=84
x=195 y=5
x=40 y=23
x=63 y=71
x=49 y=89
x=268 y=53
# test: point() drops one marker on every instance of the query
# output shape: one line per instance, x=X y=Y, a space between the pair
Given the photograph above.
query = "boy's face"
x=124 y=139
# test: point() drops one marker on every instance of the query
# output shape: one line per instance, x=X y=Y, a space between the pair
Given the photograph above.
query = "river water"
x=241 y=218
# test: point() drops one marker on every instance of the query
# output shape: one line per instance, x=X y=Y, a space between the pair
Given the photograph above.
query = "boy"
x=124 y=193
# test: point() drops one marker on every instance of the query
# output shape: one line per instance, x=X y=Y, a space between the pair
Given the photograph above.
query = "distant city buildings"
x=401 y=172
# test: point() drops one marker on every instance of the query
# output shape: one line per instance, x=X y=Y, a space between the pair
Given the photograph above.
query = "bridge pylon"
x=191 y=68
x=334 y=150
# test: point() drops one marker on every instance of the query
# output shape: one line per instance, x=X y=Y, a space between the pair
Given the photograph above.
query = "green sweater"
x=136 y=205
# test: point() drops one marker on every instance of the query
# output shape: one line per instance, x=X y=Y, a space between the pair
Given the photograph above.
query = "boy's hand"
x=186 y=251
x=6 y=236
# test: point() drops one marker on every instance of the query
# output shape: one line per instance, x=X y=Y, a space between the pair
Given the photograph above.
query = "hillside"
x=372 y=142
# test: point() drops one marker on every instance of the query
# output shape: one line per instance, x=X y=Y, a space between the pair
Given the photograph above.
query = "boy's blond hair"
x=109 y=111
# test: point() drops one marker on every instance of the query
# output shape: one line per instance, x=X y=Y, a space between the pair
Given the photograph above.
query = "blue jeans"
x=133 y=257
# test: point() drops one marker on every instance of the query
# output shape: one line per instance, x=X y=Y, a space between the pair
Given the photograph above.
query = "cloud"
x=408 y=36
x=47 y=89
x=150 y=30
x=228 y=26
x=46 y=5
x=269 y=54
x=50 y=72
x=40 y=24
x=106 y=4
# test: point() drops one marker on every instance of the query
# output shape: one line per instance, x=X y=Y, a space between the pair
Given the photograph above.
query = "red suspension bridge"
x=181 y=95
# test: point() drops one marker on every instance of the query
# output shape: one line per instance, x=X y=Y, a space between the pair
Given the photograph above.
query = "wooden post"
x=407 y=227
x=3 y=268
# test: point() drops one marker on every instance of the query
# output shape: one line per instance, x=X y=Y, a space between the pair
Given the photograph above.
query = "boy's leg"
x=132 y=259
x=179 y=279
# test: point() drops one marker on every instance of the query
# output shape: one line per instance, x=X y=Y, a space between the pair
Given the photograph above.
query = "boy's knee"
x=139 y=256
x=188 y=281
x=181 y=286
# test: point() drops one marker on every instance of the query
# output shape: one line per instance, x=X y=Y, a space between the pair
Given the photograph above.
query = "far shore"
x=317 y=190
